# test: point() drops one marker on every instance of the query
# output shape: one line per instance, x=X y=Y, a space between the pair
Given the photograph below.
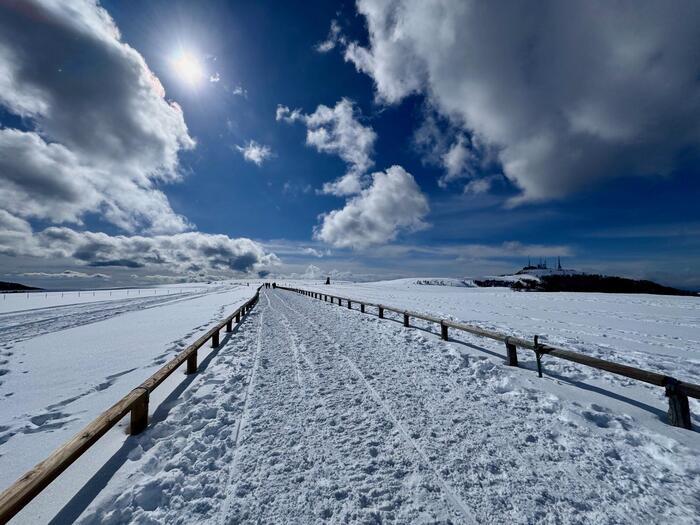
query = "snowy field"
x=313 y=413
x=65 y=358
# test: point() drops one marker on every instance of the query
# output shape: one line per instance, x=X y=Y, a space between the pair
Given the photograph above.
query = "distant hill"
x=561 y=280
x=15 y=287
x=597 y=283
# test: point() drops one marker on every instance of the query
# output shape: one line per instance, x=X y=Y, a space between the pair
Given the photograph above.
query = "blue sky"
x=478 y=151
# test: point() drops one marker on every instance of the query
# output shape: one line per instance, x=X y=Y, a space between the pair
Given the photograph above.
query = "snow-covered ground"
x=64 y=359
x=655 y=332
x=314 y=413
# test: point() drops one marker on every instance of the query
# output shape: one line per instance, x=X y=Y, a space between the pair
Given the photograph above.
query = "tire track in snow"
x=450 y=493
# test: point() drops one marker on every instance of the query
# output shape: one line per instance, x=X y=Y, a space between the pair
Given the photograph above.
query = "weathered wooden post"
x=512 y=353
x=362 y=307
x=139 y=413
x=349 y=304
x=678 y=408
x=215 y=340
x=229 y=325
x=192 y=363
x=381 y=312
x=443 y=331
x=405 y=319
x=238 y=316
x=538 y=355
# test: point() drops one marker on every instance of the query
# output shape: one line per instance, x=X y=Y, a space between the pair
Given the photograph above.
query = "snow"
x=311 y=412
x=63 y=364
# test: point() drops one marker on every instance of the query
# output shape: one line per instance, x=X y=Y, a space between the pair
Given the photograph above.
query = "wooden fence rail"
x=26 y=488
x=676 y=391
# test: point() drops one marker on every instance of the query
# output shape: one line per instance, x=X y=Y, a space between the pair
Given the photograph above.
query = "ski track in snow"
x=312 y=413
x=19 y=326
x=32 y=323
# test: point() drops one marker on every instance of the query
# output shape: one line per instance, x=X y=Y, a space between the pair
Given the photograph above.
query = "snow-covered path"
x=314 y=413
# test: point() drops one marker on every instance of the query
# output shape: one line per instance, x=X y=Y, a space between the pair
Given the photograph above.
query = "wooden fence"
x=26 y=488
x=676 y=391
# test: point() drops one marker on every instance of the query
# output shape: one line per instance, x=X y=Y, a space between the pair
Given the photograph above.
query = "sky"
x=146 y=142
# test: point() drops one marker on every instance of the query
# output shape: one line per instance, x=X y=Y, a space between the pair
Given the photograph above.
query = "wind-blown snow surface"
x=315 y=413
x=65 y=358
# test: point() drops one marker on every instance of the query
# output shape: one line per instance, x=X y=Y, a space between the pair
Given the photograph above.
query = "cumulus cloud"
x=338 y=131
x=255 y=152
x=568 y=94
x=98 y=134
x=393 y=203
x=181 y=253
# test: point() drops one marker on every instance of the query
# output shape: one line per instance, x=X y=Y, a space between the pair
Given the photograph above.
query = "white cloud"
x=569 y=94
x=312 y=272
x=180 y=253
x=285 y=114
x=240 y=91
x=315 y=252
x=338 y=131
x=67 y=274
x=255 y=152
x=334 y=38
x=215 y=78
x=393 y=203
x=100 y=139
x=98 y=136
x=478 y=186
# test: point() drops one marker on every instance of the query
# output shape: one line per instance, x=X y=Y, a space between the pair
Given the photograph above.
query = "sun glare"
x=188 y=68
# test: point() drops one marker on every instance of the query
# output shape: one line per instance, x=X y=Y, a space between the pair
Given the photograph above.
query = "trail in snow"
x=242 y=419
x=349 y=418
x=454 y=499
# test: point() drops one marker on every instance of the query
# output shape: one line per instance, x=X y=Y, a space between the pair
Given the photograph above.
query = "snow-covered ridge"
x=432 y=281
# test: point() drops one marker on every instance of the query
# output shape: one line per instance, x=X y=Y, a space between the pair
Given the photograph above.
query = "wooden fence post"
x=443 y=331
x=238 y=316
x=405 y=319
x=362 y=307
x=192 y=363
x=139 y=414
x=381 y=312
x=678 y=408
x=512 y=353
x=215 y=340
x=229 y=325
x=349 y=303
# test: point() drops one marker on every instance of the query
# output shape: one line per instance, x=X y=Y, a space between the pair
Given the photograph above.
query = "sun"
x=188 y=68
